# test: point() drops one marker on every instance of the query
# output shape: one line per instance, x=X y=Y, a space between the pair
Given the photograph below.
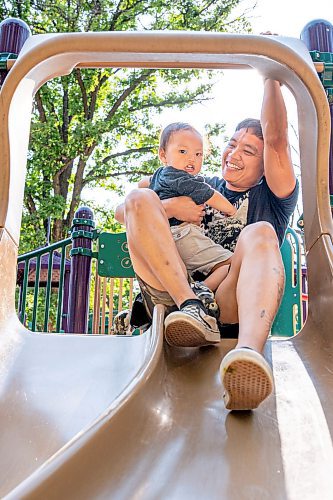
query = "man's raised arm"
x=278 y=166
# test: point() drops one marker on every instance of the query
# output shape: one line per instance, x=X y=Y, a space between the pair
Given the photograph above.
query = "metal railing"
x=38 y=272
x=80 y=294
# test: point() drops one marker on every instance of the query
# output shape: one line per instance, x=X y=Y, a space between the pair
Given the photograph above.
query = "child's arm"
x=221 y=203
x=144 y=182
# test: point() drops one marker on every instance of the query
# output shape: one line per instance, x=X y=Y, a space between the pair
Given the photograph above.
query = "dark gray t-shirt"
x=169 y=182
x=256 y=204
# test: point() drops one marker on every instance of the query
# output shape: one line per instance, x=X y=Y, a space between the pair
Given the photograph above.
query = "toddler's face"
x=184 y=151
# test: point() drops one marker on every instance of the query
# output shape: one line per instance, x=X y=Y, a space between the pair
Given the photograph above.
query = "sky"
x=238 y=93
x=287 y=17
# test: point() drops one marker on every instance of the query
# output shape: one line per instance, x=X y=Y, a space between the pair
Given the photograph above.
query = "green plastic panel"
x=289 y=319
x=327 y=59
x=300 y=222
x=4 y=57
x=113 y=257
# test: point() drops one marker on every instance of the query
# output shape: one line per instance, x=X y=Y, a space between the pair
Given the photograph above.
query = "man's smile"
x=232 y=166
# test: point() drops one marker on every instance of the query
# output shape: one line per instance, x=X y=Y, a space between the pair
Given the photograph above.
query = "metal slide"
x=130 y=418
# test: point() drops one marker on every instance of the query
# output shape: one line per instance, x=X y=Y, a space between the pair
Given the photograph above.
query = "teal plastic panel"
x=289 y=319
x=113 y=257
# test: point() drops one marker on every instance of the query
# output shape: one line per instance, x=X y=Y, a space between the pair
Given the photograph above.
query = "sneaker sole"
x=247 y=379
x=181 y=333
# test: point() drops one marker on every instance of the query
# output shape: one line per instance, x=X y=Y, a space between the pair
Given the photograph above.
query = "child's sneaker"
x=191 y=326
x=121 y=323
x=207 y=297
x=247 y=379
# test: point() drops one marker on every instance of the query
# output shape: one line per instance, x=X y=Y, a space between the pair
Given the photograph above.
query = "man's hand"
x=183 y=208
x=268 y=33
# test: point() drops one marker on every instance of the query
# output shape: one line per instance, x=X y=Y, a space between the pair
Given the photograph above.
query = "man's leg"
x=153 y=251
x=251 y=295
x=252 y=291
x=156 y=261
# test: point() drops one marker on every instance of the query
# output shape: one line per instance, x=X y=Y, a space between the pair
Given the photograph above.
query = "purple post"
x=13 y=34
x=79 y=284
x=318 y=35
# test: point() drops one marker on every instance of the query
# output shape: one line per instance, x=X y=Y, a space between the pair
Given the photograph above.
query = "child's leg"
x=219 y=273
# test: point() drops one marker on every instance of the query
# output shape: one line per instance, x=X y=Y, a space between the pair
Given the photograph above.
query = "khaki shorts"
x=151 y=296
x=197 y=251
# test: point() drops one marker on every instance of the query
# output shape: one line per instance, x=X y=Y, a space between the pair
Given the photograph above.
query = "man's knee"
x=260 y=235
x=140 y=201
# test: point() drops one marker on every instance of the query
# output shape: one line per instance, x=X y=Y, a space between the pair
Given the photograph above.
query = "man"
x=259 y=177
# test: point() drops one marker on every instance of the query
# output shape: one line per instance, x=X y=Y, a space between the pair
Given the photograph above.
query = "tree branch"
x=78 y=76
x=119 y=12
x=40 y=108
x=89 y=177
x=31 y=206
x=93 y=99
x=77 y=188
x=205 y=7
x=96 y=11
x=170 y=103
x=127 y=92
x=65 y=117
x=115 y=16
x=146 y=149
x=57 y=175
x=115 y=174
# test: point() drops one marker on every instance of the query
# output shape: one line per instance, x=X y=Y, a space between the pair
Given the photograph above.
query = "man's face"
x=242 y=161
x=184 y=151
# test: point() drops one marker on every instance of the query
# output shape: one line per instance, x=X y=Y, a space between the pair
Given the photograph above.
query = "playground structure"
x=113 y=286
x=82 y=420
x=70 y=280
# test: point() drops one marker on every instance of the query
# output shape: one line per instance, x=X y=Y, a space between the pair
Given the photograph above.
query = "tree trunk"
x=57 y=230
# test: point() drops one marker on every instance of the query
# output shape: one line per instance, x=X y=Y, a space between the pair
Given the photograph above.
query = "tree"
x=94 y=126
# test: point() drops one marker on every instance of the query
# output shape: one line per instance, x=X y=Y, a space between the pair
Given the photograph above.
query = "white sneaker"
x=247 y=379
x=191 y=327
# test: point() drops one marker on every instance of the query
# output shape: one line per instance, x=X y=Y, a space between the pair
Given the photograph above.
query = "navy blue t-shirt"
x=256 y=204
x=169 y=182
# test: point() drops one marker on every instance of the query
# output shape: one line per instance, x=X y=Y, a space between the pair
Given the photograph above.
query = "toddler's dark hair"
x=171 y=129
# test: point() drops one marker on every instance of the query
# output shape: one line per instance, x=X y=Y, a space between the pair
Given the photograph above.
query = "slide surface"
x=112 y=417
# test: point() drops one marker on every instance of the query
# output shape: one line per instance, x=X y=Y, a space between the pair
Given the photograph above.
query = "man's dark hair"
x=171 y=129
x=253 y=124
